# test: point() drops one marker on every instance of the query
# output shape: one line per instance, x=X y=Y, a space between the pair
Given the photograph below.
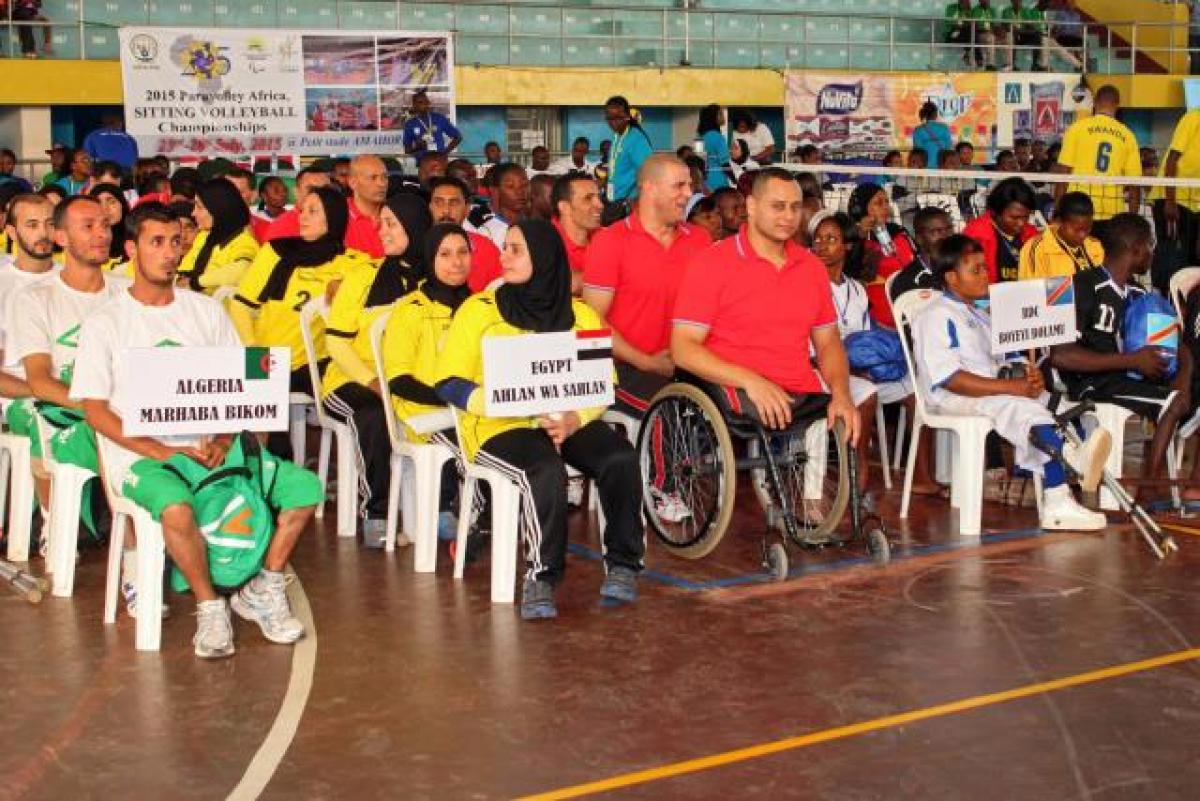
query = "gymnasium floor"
x=1018 y=666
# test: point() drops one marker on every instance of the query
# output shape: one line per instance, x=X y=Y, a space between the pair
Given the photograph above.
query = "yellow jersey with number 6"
x=1101 y=145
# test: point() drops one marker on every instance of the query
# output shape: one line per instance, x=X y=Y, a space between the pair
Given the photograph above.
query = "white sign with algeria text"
x=173 y=391
x=534 y=374
x=1032 y=314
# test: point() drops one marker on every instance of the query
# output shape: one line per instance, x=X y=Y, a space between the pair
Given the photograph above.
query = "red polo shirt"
x=576 y=254
x=642 y=276
x=759 y=316
x=284 y=226
x=485 y=262
x=259 y=227
x=363 y=232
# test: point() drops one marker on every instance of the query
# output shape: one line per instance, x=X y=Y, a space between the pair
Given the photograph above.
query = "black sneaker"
x=620 y=584
x=537 y=600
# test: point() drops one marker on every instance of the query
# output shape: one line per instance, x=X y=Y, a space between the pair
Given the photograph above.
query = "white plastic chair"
x=16 y=476
x=150 y=556
x=347 y=466
x=506 y=517
x=62 y=529
x=1181 y=285
x=966 y=486
x=421 y=501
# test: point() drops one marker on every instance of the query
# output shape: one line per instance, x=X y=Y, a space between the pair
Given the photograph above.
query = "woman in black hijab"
x=352 y=391
x=116 y=209
x=532 y=450
x=225 y=247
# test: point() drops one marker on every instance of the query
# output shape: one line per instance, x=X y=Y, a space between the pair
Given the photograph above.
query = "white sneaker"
x=264 y=601
x=129 y=593
x=1088 y=460
x=214 y=630
x=669 y=507
x=1060 y=512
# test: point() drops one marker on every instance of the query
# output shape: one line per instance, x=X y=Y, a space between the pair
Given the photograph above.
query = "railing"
x=554 y=35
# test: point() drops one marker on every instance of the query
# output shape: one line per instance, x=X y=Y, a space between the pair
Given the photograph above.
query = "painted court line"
x=287 y=721
x=864 y=727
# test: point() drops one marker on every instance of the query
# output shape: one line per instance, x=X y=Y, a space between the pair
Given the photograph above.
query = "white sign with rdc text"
x=534 y=374
x=1032 y=314
x=175 y=391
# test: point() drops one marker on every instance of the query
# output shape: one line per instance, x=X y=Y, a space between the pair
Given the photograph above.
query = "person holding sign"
x=536 y=298
x=352 y=392
x=959 y=375
x=1095 y=368
x=150 y=471
x=288 y=273
x=225 y=248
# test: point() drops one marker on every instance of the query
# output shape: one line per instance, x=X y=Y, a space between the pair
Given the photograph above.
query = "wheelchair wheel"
x=688 y=468
x=817 y=484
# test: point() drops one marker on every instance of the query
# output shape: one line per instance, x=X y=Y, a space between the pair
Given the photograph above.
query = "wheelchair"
x=804 y=477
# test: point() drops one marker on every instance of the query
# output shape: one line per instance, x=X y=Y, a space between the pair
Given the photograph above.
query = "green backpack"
x=231 y=510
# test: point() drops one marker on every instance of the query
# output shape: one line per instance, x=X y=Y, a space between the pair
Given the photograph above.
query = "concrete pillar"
x=26 y=129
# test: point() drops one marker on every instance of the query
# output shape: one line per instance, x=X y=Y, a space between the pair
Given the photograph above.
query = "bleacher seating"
x=815 y=34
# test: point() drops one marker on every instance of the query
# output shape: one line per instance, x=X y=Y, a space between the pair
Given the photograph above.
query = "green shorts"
x=154 y=487
x=21 y=419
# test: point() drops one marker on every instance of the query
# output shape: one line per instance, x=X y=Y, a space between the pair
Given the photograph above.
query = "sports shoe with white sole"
x=1060 y=512
x=620 y=584
x=214 y=630
x=264 y=601
x=1088 y=460
x=374 y=533
x=669 y=507
x=537 y=600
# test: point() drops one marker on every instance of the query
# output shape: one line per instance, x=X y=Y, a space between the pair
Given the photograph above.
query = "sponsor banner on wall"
x=866 y=115
x=233 y=92
x=1037 y=105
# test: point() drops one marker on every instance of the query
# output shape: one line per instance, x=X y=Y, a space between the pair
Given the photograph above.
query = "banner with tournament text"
x=237 y=92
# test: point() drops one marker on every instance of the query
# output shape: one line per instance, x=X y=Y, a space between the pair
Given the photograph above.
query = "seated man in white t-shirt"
x=153 y=313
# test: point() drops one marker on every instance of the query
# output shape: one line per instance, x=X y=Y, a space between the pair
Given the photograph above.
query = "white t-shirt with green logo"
x=49 y=318
x=190 y=320
x=12 y=282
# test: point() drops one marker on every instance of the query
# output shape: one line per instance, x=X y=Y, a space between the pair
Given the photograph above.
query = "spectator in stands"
x=731 y=208
x=539 y=161
x=225 y=247
x=448 y=205
x=966 y=155
x=60 y=161
x=630 y=149
x=1149 y=158
x=716 y=149
x=576 y=160
x=1095 y=367
x=702 y=213
x=1023 y=26
x=1177 y=211
x=1102 y=145
x=930 y=225
x=510 y=201
x=972 y=28
x=540 y=205
x=813 y=200
x=635 y=302
x=430 y=165
x=352 y=391
x=243 y=180
x=959 y=375
x=427 y=130
x=8 y=164
x=698 y=172
x=184 y=183
x=930 y=135
x=1066 y=32
x=368 y=189
x=577 y=210
x=915 y=184
x=536 y=297
x=339 y=173
x=1006 y=161
x=288 y=223
x=1004 y=228
x=757 y=139
x=272 y=198
x=957 y=29
x=112 y=201
x=883 y=248
x=1067 y=246
x=754 y=329
x=948 y=160
x=605 y=150
x=109 y=142
x=29 y=12
x=184 y=211
x=492 y=155
x=79 y=177
x=148 y=470
x=1023 y=150
x=107 y=172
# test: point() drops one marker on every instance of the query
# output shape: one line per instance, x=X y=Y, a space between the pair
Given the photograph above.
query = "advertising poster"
x=235 y=92
x=1037 y=105
x=866 y=115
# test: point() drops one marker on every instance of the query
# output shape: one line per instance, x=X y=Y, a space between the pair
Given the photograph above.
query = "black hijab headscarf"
x=433 y=287
x=400 y=275
x=295 y=251
x=543 y=303
x=230 y=216
x=116 y=250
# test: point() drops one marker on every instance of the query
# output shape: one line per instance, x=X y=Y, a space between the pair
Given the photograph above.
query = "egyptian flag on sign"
x=596 y=344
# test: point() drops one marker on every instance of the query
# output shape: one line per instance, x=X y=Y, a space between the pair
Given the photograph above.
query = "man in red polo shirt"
x=632 y=273
x=448 y=204
x=750 y=307
x=288 y=223
x=576 y=204
x=368 y=190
